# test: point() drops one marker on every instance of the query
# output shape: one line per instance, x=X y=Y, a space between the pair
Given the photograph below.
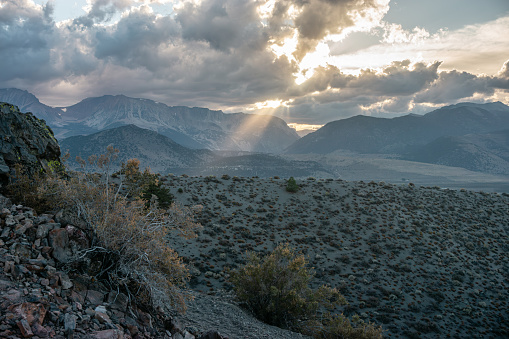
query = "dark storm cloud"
x=26 y=36
x=215 y=54
x=223 y=24
x=136 y=39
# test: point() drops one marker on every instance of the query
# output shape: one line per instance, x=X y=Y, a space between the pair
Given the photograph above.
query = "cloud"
x=99 y=11
x=26 y=38
x=452 y=86
x=222 y=54
x=401 y=78
x=222 y=24
x=135 y=41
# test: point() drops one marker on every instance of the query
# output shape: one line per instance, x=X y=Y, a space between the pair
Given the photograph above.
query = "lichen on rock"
x=25 y=140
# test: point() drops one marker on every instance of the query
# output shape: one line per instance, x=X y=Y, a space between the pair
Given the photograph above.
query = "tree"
x=292 y=186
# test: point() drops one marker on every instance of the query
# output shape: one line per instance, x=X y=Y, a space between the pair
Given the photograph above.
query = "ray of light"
x=251 y=128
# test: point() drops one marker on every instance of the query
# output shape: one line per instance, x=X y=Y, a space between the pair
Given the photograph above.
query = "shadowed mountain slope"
x=151 y=148
x=163 y=155
x=400 y=135
x=476 y=152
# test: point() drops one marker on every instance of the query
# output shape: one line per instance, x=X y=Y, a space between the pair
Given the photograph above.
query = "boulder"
x=59 y=241
x=25 y=140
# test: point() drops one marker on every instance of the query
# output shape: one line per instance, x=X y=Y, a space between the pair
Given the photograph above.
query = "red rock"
x=133 y=329
x=103 y=318
x=34 y=268
x=94 y=297
x=31 y=312
x=77 y=297
x=13 y=296
x=25 y=329
x=40 y=331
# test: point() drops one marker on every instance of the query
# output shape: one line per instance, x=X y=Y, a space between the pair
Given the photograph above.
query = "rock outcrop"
x=25 y=140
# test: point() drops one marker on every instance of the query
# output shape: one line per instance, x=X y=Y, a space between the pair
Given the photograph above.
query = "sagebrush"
x=132 y=238
x=276 y=289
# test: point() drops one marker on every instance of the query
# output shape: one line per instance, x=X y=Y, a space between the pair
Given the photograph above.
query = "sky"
x=307 y=61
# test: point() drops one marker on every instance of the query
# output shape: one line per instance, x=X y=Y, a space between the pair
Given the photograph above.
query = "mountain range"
x=487 y=152
x=191 y=127
x=163 y=155
x=468 y=135
x=370 y=135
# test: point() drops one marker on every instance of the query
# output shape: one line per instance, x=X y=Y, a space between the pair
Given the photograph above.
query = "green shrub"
x=336 y=326
x=291 y=185
x=164 y=197
x=276 y=289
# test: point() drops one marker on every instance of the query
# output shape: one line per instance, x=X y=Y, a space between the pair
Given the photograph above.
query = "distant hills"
x=467 y=135
x=152 y=149
x=369 y=135
x=191 y=127
x=163 y=155
x=476 y=152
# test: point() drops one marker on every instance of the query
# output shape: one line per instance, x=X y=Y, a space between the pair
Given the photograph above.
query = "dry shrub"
x=276 y=289
x=23 y=189
x=337 y=326
x=131 y=239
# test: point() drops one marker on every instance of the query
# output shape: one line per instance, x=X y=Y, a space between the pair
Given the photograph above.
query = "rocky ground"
x=423 y=262
x=43 y=295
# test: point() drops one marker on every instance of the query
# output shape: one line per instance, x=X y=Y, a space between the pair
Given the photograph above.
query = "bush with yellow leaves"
x=276 y=289
x=132 y=240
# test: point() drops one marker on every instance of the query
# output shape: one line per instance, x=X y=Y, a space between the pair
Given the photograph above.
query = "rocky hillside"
x=43 y=296
x=423 y=262
x=363 y=134
x=25 y=140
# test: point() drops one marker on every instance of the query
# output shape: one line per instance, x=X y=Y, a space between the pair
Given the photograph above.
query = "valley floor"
x=422 y=262
x=354 y=167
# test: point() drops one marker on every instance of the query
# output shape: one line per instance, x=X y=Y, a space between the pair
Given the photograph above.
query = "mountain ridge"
x=27 y=102
x=193 y=127
x=488 y=152
x=399 y=135
x=164 y=155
